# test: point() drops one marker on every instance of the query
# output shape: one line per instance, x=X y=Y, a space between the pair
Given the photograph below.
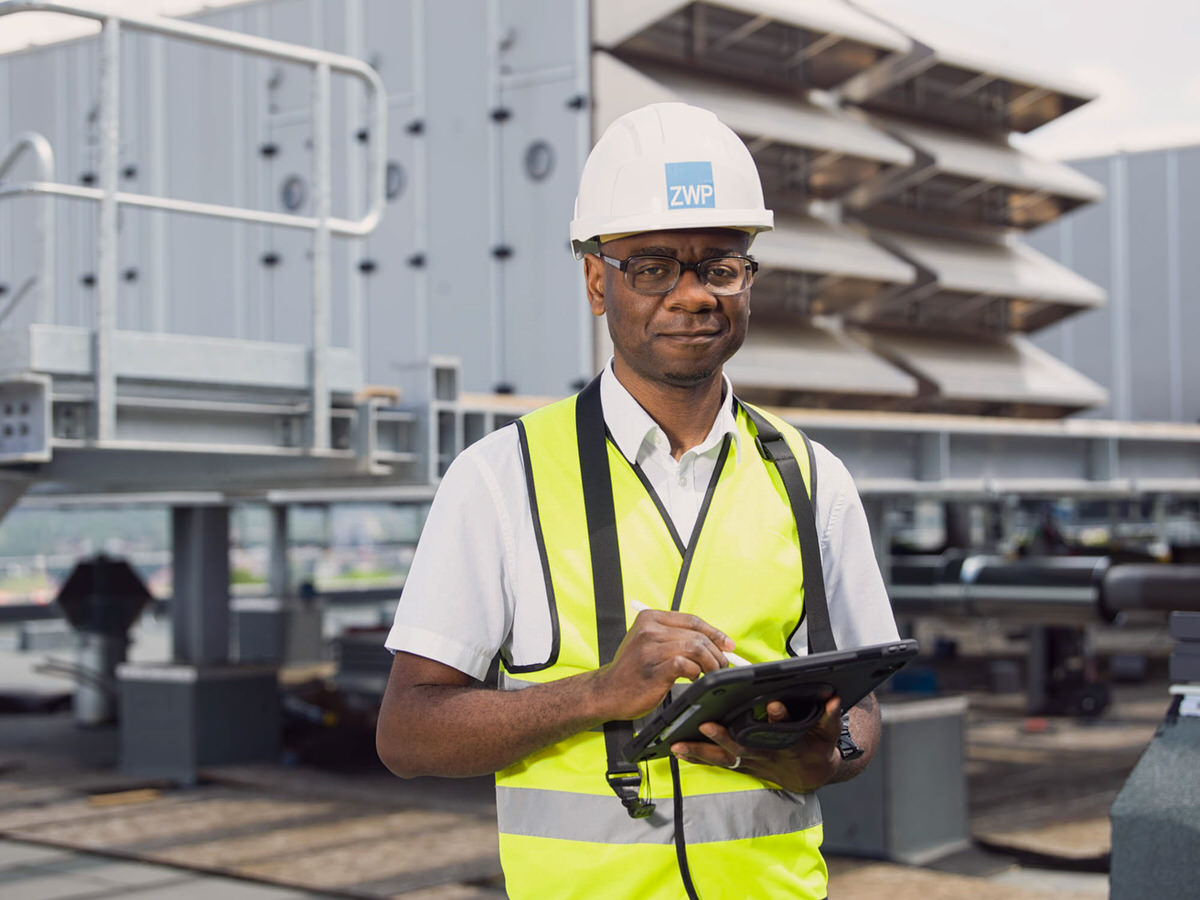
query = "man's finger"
x=725 y=753
x=830 y=722
x=693 y=623
x=777 y=711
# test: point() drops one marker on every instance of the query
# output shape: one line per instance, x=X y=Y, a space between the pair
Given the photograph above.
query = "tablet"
x=737 y=697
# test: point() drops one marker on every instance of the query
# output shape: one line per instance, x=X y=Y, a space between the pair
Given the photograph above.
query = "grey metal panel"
x=81 y=152
x=535 y=35
x=391 y=319
x=331 y=32
x=70 y=293
x=210 y=154
x=1041 y=457
x=1189 y=282
x=1053 y=240
x=290 y=279
x=293 y=21
x=1090 y=334
x=541 y=282
x=132 y=297
x=458 y=131
x=388 y=36
x=1149 y=336
x=1137 y=245
x=348 y=159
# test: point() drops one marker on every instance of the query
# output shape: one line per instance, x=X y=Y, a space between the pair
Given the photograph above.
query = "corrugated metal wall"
x=488 y=127
x=1140 y=244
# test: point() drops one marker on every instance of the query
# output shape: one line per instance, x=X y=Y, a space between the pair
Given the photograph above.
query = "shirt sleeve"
x=860 y=612
x=454 y=606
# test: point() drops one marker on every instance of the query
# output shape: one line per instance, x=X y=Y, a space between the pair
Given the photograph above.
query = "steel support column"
x=278 y=579
x=200 y=610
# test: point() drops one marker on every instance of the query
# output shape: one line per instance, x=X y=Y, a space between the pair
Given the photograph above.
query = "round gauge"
x=294 y=193
x=396 y=179
x=539 y=160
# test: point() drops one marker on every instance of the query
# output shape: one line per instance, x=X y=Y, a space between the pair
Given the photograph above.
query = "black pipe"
x=1060 y=589
x=1141 y=587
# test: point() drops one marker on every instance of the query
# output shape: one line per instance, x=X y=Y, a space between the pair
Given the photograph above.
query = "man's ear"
x=594 y=275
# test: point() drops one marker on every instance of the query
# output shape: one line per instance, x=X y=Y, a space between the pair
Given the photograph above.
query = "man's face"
x=682 y=338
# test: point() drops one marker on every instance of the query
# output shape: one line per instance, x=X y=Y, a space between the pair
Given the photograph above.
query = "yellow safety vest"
x=563 y=833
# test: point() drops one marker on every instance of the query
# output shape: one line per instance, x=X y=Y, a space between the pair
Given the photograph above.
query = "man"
x=705 y=558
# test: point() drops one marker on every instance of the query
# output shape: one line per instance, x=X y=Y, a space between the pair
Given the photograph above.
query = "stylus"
x=734 y=659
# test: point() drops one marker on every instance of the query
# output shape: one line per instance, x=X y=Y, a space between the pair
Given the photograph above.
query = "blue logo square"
x=690 y=185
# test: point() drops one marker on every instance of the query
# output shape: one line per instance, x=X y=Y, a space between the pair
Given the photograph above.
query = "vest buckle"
x=627 y=786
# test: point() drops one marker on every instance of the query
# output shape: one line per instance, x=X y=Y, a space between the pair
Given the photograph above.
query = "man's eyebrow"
x=654 y=251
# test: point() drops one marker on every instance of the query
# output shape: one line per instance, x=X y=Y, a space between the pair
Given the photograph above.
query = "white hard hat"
x=667 y=166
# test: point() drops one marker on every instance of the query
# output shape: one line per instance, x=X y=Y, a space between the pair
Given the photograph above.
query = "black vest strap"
x=773 y=447
x=623 y=776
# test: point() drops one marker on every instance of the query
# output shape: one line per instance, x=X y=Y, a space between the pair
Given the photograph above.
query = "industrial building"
x=290 y=251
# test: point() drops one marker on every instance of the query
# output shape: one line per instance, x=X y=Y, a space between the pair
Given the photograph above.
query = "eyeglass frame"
x=623 y=265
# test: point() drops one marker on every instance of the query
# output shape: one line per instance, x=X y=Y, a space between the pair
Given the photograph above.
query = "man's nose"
x=690 y=293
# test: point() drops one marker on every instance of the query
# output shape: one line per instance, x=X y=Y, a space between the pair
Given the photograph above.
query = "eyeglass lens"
x=659 y=274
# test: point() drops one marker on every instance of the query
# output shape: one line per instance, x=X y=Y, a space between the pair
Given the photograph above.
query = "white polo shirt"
x=476 y=579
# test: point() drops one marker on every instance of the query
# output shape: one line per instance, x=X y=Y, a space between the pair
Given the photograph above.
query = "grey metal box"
x=910 y=805
x=1185 y=626
x=1185 y=663
x=176 y=719
x=274 y=630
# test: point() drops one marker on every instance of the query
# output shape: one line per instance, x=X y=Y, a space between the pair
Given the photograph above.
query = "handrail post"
x=45 y=245
x=106 y=280
x=322 y=241
x=37 y=144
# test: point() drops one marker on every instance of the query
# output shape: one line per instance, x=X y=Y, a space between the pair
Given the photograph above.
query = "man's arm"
x=435 y=720
x=810 y=763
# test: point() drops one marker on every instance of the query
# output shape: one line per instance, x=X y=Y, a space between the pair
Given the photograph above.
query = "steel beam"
x=278 y=578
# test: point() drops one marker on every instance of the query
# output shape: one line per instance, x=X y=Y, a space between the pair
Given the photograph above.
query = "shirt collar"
x=634 y=430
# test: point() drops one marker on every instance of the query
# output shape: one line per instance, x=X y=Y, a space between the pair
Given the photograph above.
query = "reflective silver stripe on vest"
x=602 y=819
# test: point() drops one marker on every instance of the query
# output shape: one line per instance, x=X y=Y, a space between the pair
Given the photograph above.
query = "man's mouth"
x=690 y=336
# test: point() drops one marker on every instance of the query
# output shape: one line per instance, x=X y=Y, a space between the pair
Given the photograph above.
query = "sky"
x=1141 y=59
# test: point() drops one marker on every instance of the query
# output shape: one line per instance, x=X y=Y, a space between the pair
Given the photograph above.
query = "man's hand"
x=435 y=721
x=659 y=649
x=807 y=765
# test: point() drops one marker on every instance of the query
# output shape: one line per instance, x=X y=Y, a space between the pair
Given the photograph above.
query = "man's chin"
x=690 y=378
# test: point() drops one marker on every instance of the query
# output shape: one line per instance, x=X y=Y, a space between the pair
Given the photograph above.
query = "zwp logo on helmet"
x=690 y=185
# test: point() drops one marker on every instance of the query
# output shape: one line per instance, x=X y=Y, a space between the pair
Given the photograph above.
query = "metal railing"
x=322 y=223
x=31 y=142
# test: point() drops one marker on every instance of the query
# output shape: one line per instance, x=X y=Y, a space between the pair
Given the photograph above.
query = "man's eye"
x=650 y=269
